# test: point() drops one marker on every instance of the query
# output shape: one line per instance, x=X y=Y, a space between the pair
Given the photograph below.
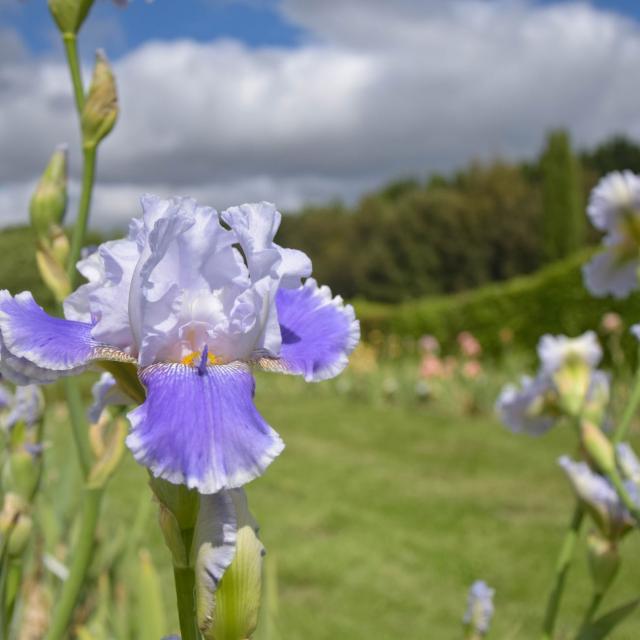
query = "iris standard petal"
x=33 y=337
x=318 y=333
x=199 y=427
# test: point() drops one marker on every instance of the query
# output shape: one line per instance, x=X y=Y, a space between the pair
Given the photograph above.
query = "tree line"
x=486 y=223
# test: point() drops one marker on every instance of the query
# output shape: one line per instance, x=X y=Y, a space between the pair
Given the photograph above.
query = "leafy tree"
x=617 y=154
x=563 y=218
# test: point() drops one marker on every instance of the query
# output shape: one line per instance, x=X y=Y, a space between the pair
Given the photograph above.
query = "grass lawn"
x=379 y=517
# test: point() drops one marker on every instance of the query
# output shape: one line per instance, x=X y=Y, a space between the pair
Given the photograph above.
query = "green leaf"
x=608 y=622
x=151 y=610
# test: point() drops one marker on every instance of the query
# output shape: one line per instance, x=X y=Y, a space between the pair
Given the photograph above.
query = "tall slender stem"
x=630 y=410
x=73 y=60
x=80 y=228
x=592 y=610
x=82 y=552
x=80 y=563
x=185 y=581
x=562 y=569
x=78 y=422
x=185 y=595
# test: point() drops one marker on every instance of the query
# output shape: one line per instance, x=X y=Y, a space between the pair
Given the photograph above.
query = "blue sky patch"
x=256 y=23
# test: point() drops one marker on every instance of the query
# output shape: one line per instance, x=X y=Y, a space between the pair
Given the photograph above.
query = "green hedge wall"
x=552 y=300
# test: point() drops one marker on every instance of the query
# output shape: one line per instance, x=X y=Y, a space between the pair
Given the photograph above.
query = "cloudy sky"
x=299 y=101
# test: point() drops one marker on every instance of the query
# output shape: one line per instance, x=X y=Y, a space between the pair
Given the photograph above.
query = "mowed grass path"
x=380 y=517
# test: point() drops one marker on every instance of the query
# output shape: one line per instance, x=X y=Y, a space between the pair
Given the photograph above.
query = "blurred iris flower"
x=25 y=404
x=600 y=497
x=192 y=299
x=566 y=383
x=480 y=608
x=614 y=207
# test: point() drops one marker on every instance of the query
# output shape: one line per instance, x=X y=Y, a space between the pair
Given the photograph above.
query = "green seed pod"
x=49 y=201
x=69 y=14
x=100 y=111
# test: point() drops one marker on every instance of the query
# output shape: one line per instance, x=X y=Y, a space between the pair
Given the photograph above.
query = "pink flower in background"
x=469 y=345
x=429 y=344
x=611 y=322
x=472 y=369
x=431 y=367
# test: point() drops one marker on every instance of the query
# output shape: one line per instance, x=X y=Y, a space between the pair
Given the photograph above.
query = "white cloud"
x=377 y=90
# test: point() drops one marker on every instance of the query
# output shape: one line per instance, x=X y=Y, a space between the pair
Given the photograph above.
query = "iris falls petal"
x=318 y=332
x=200 y=427
x=37 y=344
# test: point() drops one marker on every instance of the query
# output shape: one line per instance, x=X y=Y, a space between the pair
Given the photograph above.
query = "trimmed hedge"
x=552 y=300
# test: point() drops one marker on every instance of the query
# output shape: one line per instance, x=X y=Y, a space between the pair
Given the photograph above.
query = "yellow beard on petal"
x=193 y=359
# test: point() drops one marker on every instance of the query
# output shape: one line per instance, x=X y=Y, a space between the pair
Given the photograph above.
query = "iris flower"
x=534 y=405
x=524 y=408
x=600 y=497
x=557 y=351
x=193 y=299
x=25 y=404
x=614 y=208
x=479 y=607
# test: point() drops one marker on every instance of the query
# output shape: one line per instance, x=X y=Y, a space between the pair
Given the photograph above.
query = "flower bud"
x=227 y=556
x=237 y=600
x=598 y=447
x=604 y=561
x=20 y=535
x=69 y=14
x=49 y=201
x=24 y=472
x=15 y=524
x=52 y=271
x=101 y=107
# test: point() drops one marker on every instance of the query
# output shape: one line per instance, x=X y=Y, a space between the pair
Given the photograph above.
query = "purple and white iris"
x=194 y=299
x=523 y=408
x=614 y=208
x=600 y=497
x=534 y=406
x=480 y=607
x=25 y=404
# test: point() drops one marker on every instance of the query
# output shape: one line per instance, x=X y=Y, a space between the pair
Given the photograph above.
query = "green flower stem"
x=591 y=611
x=185 y=580
x=73 y=60
x=630 y=410
x=79 y=427
x=83 y=551
x=80 y=229
x=562 y=569
x=616 y=480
